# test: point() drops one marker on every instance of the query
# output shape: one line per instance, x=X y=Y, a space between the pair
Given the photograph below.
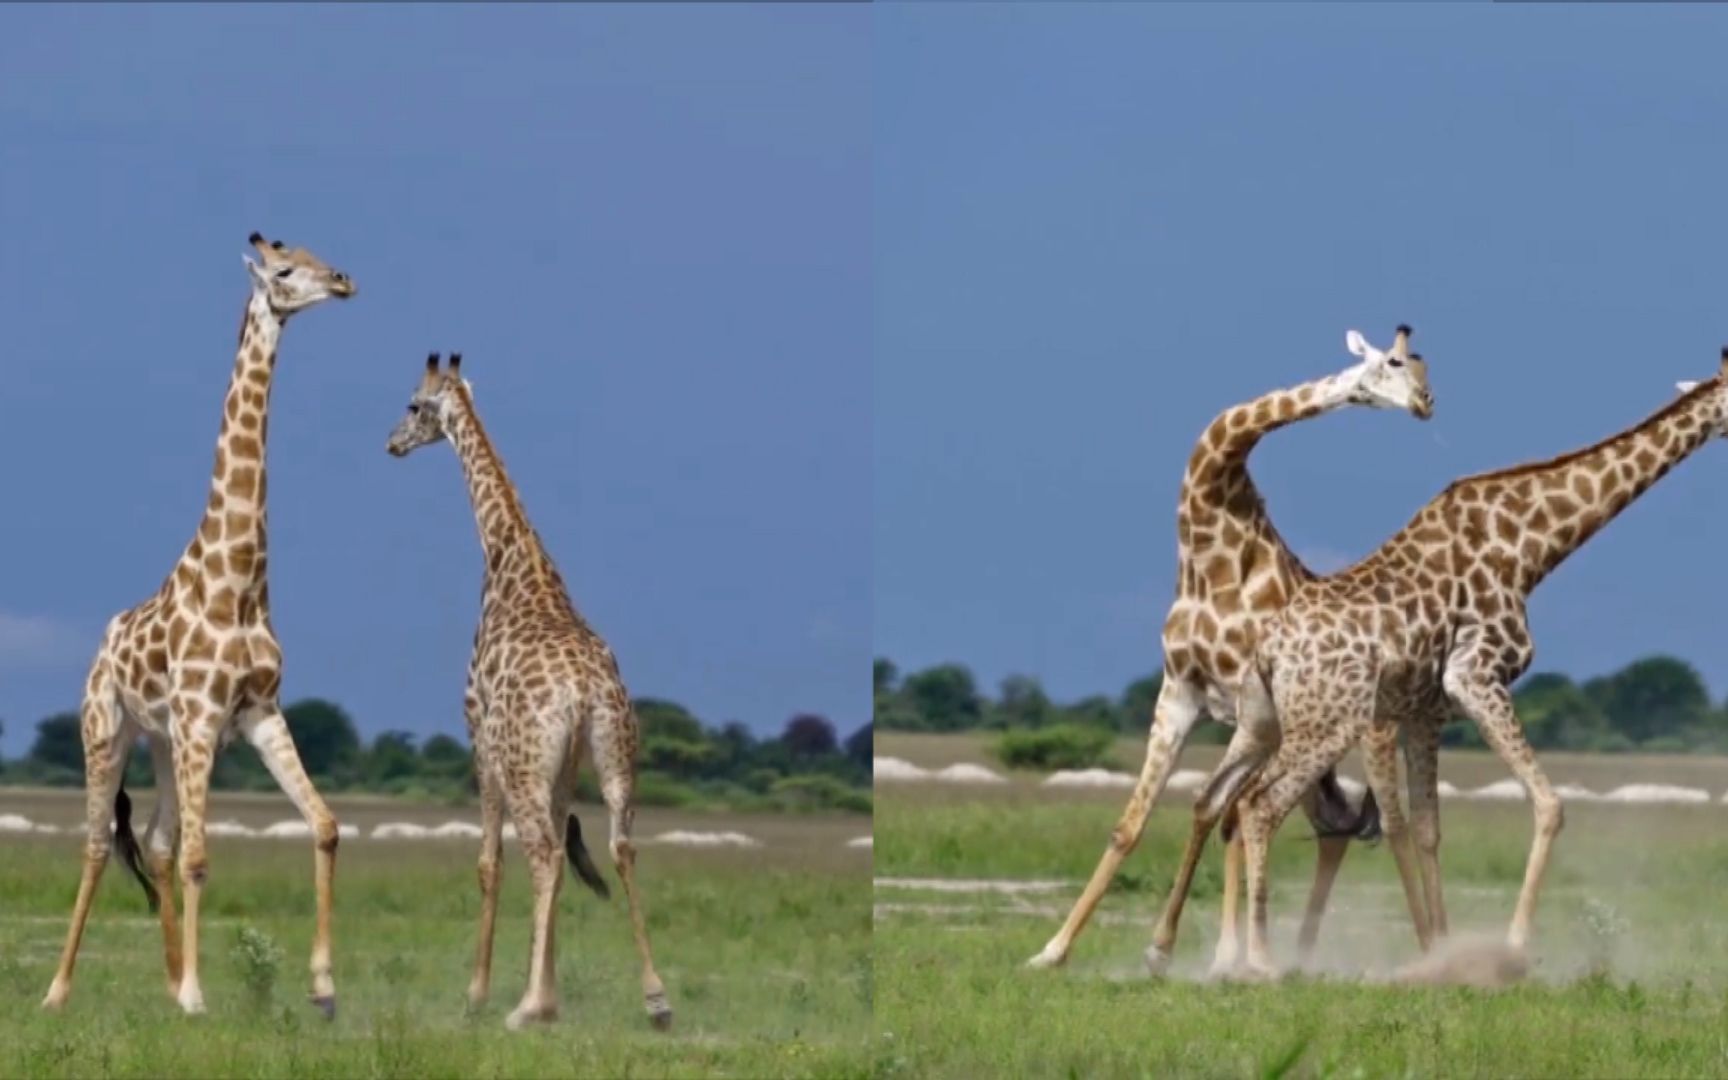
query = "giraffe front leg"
x=194 y=756
x=1174 y=715
x=1228 y=952
x=1486 y=700
x=106 y=742
x=267 y=730
x=1255 y=741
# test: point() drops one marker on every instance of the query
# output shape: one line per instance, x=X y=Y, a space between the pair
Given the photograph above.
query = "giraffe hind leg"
x=107 y=739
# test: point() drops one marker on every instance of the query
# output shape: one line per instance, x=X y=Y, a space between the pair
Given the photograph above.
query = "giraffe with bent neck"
x=198 y=661
x=1435 y=617
x=1233 y=572
x=543 y=691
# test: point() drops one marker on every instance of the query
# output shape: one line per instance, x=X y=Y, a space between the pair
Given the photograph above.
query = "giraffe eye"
x=413 y=407
x=284 y=272
x=1394 y=362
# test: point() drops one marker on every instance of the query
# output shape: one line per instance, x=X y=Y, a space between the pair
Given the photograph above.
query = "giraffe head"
x=428 y=409
x=294 y=279
x=1394 y=379
x=1719 y=384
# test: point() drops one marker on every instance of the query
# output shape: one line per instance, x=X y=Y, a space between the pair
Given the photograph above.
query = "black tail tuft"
x=1334 y=817
x=129 y=850
x=580 y=862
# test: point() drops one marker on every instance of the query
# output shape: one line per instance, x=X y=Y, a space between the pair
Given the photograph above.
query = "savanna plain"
x=765 y=951
x=1629 y=967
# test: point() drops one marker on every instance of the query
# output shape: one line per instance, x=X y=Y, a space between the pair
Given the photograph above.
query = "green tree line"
x=683 y=762
x=1657 y=704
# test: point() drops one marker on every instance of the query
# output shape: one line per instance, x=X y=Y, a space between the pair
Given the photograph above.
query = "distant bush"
x=818 y=793
x=1064 y=746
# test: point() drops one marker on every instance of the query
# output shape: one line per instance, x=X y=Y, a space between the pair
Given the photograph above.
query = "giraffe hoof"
x=326 y=1004
x=530 y=1014
x=1254 y=972
x=1157 y=961
x=56 y=999
x=1046 y=960
x=659 y=1012
x=1223 y=967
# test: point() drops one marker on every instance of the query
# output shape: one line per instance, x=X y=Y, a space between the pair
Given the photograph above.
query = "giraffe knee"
x=326 y=834
x=1550 y=815
x=623 y=852
x=1427 y=835
x=487 y=871
x=195 y=870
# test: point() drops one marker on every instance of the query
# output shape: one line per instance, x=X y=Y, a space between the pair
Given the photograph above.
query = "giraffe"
x=543 y=689
x=1435 y=617
x=199 y=660
x=1233 y=570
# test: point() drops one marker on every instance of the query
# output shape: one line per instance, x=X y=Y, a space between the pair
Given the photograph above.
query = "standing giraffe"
x=1436 y=617
x=543 y=688
x=1233 y=571
x=199 y=659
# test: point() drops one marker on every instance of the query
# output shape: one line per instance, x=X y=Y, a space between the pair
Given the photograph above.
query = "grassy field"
x=1630 y=963
x=765 y=953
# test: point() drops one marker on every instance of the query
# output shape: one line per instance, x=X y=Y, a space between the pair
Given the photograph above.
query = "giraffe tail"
x=580 y=862
x=130 y=853
x=1334 y=816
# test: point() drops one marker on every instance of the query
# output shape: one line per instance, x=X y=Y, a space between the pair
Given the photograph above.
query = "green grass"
x=1630 y=974
x=765 y=954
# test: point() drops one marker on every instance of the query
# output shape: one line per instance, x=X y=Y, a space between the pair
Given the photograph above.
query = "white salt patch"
x=971 y=885
x=288 y=829
x=967 y=773
x=15 y=823
x=1186 y=780
x=1576 y=793
x=687 y=838
x=892 y=768
x=348 y=832
x=458 y=829
x=1499 y=789
x=1656 y=793
x=1088 y=778
x=399 y=830
x=1446 y=790
x=227 y=828
x=47 y=830
x=862 y=842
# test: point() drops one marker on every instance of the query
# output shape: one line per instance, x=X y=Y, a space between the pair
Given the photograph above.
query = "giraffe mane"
x=1684 y=401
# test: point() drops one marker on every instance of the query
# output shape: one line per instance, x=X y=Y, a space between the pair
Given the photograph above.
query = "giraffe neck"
x=1221 y=523
x=516 y=561
x=1543 y=513
x=1220 y=458
x=227 y=556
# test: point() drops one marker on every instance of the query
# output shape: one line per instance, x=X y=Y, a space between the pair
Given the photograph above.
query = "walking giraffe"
x=543 y=688
x=1435 y=617
x=1233 y=571
x=198 y=660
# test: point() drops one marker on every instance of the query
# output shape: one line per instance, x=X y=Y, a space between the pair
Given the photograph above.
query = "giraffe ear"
x=1686 y=386
x=256 y=271
x=1356 y=343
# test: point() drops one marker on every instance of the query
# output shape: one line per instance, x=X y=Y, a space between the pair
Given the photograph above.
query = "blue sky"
x=1096 y=226
x=647 y=229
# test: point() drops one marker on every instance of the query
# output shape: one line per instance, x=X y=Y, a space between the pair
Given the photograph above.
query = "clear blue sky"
x=1098 y=225
x=647 y=229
